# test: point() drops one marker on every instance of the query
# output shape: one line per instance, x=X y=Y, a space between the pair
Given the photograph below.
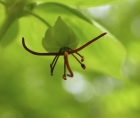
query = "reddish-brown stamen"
x=67 y=64
x=82 y=65
x=64 y=75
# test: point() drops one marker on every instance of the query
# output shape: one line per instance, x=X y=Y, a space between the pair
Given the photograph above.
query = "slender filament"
x=52 y=65
x=82 y=65
x=82 y=57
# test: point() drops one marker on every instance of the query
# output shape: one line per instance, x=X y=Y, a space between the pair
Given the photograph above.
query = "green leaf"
x=18 y=1
x=105 y=61
x=10 y=34
x=59 y=36
x=49 y=7
x=81 y=3
x=13 y=10
x=101 y=56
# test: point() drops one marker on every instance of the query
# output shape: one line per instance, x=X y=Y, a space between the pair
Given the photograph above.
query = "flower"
x=64 y=51
x=60 y=40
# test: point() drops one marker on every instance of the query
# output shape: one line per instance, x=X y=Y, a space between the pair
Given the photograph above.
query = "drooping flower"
x=60 y=40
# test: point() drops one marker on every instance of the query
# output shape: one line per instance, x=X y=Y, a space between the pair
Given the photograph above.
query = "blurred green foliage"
x=109 y=87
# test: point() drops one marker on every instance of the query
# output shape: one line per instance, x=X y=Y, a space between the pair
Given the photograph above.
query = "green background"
x=110 y=85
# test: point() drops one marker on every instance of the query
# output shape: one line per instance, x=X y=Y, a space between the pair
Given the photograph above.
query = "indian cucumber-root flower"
x=59 y=44
x=64 y=51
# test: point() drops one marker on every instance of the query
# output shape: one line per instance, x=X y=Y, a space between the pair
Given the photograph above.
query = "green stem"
x=10 y=19
x=5 y=26
x=41 y=19
x=3 y=3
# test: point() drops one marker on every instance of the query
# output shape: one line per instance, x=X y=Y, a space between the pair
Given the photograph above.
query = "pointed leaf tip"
x=59 y=36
